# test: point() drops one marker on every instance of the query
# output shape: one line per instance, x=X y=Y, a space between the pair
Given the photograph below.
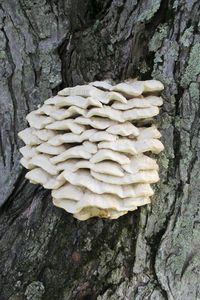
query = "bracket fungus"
x=92 y=144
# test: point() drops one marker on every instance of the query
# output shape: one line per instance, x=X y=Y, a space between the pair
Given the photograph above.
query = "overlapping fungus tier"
x=90 y=145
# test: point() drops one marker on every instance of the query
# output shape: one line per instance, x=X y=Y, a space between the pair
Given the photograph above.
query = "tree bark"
x=152 y=253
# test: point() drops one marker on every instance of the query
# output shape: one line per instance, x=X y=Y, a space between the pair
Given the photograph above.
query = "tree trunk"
x=152 y=253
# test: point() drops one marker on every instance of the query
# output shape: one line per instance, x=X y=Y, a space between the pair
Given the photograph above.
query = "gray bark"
x=153 y=253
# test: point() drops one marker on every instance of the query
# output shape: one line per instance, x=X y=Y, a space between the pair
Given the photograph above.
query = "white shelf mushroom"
x=90 y=145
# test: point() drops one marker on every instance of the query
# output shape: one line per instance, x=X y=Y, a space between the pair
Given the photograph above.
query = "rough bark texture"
x=153 y=253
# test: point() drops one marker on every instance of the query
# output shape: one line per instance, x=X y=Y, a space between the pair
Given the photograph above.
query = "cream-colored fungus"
x=91 y=146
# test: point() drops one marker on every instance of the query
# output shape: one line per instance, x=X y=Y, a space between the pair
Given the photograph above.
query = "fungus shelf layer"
x=91 y=146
